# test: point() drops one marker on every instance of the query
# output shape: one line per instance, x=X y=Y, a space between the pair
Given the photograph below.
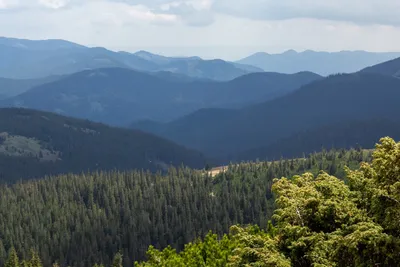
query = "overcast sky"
x=228 y=29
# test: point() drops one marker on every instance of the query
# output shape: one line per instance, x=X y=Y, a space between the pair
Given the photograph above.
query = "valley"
x=133 y=158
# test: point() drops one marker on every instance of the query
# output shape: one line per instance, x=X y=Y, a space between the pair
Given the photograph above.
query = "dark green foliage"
x=320 y=221
x=80 y=146
x=13 y=260
x=80 y=220
x=117 y=261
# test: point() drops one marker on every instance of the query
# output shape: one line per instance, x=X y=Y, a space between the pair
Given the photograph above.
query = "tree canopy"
x=319 y=221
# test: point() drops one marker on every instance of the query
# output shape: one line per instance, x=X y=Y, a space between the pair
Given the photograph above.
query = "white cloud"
x=193 y=12
x=55 y=4
x=5 y=4
x=141 y=12
x=356 y=11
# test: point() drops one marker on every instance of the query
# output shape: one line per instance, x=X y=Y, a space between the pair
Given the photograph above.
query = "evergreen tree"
x=13 y=260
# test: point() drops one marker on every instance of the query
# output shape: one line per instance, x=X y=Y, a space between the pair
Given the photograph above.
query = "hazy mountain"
x=52 y=44
x=34 y=144
x=336 y=99
x=162 y=60
x=196 y=67
x=391 y=68
x=217 y=69
x=13 y=87
x=121 y=96
x=177 y=77
x=323 y=63
x=28 y=59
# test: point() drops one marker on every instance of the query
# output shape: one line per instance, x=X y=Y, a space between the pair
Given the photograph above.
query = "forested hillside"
x=341 y=135
x=319 y=221
x=390 y=68
x=338 y=99
x=90 y=217
x=34 y=144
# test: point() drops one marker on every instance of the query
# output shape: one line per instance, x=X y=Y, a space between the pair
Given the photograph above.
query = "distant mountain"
x=196 y=67
x=323 y=63
x=162 y=60
x=217 y=69
x=38 y=45
x=13 y=87
x=391 y=68
x=35 y=144
x=28 y=59
x=336 y=99
x=177 y=77
x=121 y=96
x=350 y=134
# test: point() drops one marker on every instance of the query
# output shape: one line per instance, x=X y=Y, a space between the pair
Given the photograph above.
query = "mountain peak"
x=290 y=52
x=143 y=52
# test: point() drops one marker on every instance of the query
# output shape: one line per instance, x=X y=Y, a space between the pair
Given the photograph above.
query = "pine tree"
x=35 y=260
x=117 y=262
x=13 y=260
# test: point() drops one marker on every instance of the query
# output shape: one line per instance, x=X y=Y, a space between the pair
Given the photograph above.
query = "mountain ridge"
x=314 y=105
x=339 y=62
x=34 y=144
x=31 y=59
x=120 y=96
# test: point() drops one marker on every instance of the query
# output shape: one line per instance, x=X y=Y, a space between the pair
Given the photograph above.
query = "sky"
x=227 y=29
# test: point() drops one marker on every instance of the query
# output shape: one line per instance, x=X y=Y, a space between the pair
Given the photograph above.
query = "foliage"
x=323 y=222
x=80 y=220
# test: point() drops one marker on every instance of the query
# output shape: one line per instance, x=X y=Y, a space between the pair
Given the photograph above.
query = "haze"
x=208 y=28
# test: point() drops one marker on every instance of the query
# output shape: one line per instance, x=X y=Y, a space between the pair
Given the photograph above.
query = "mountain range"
x=322 y=63
x=226 y=110
x=342 y=98
x=120 y=96
x=27 y=59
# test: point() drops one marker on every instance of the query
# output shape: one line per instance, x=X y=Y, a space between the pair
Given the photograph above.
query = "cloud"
x=224 y=28
x=203 y=12
x=141 y=12
x=194 y=12
x=6 y=4
x=356 y=11
x=55 y=4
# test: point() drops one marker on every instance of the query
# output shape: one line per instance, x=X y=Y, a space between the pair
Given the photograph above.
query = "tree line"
x=87 y=219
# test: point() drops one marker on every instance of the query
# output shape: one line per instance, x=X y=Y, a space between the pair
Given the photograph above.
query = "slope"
x=35 y=144
x=14 y=87
x=103 y=213
x=323 y=63
x=339 y=98
x=121 y=96
x=349 y=134
x=391 y=68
